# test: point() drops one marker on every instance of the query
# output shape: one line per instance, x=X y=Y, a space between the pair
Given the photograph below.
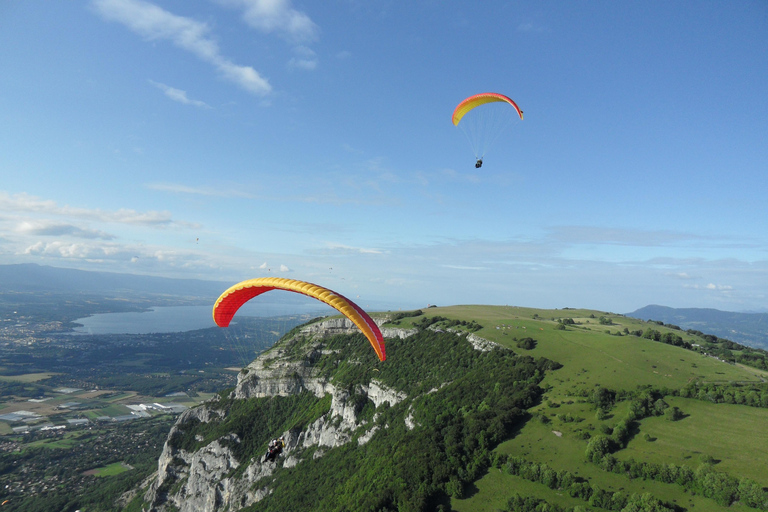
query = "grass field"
x=595 y=354
x=537 y=443
x=590 y=355
x=110 y=470
x=27 y=377
x=492 y=492
x=734 y=435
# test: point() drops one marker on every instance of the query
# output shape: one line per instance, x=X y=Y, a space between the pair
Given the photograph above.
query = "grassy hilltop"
x=594 y=355
x=586 y=411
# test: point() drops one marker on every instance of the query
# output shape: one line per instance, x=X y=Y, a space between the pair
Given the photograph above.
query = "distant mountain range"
x=749 y=329
x=30 y=277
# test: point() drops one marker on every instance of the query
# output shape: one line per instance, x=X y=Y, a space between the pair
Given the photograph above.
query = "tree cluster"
x=576 y=487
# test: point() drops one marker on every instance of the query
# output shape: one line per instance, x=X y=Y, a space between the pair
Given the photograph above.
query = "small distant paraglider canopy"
x=231 y=300
x=483 y=125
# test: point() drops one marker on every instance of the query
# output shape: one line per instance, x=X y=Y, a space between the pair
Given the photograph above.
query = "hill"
x=478 y=408
x=746 y=328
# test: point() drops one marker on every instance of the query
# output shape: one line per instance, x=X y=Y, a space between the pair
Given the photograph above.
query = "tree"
x=673 y=414
x=597 y=447
x=527 y=343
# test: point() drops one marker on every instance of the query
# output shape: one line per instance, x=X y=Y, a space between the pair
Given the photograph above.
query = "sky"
x=233 y=139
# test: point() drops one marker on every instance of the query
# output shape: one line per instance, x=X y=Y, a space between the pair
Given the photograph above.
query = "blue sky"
x=231 y=139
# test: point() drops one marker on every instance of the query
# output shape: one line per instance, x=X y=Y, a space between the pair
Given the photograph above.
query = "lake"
x=185 y=318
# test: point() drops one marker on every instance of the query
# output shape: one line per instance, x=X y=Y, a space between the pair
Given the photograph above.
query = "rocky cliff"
x=209 y=477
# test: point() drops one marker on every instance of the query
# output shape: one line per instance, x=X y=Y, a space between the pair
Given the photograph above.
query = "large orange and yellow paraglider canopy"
x=481 y=99
x=231 y=300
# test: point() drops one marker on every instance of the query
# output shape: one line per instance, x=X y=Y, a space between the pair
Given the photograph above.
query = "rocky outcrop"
x=212 y=479
x=209 y=480
x=482 y=344
x=344 y=325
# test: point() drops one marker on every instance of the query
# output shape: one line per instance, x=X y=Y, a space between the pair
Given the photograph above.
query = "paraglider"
x=275 y=448
x=483 y=125
x=230 y=301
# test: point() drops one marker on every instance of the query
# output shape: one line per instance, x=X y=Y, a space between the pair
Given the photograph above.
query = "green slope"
x=729 y=435
x=485 y=419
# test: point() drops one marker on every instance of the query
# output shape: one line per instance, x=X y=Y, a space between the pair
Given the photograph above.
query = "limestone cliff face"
x=208 y=480
x=211 y=479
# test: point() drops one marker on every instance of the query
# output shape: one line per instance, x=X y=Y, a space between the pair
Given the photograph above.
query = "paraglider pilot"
x=479 y=163
x=275 y=448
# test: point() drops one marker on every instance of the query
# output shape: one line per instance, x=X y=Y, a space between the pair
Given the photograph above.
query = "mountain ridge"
x=34 y=278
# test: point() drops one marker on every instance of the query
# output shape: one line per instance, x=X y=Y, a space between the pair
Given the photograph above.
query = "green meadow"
x=110 y=469
x=601 y=354
x=27 y=377
x=733 y=435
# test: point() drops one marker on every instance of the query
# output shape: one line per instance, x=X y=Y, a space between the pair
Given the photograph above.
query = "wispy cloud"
x=24 y=203
x=710 y=286
x=43 y=228
x=347 y=249
x=320 y=193
x=277 y=16
x=682 y=275
x=154 y=23
x=119 y=256
x=178 y=95
x=305 y=58
x=620 y=236
x=464 y=267
x=280 y=268
x=178 y=188
x=70 y=250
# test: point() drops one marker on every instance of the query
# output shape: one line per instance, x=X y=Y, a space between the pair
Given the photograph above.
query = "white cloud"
x=305 y=58
x=154 y=23
x=277 y=16
x=284 y=268
x=341 y=248
x=620 y=236
x=178 y=188
x=178 y=95
x=464 y=267
x=79 y=251
x=24 y=203
x=43 y=228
